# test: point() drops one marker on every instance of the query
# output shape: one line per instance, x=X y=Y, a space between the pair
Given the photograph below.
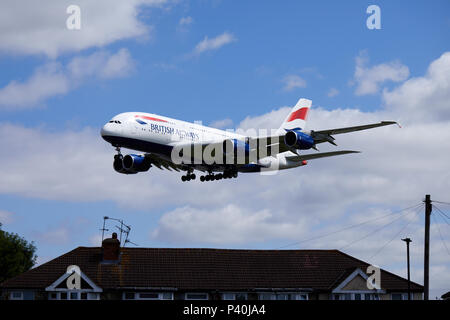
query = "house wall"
x=357 y=283
x=117 y=295
x=418 y=296
x=27 y=294
x=414 y=296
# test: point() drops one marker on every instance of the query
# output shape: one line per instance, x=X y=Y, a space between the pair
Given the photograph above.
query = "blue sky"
x=319 y=41
x=210 y=61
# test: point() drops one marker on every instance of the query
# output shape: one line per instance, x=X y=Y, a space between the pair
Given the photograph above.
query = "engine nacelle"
x=131 y=163
x=136 y=163
x=235 y=147
x=298 y=140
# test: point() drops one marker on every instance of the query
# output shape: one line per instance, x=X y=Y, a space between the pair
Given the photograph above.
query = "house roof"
x=222 y=269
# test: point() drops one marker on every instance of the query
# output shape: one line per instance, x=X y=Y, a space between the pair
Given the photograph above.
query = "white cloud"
x=184 y=24
x=185 y=21
x=270 y=120
x=165 y=66
x=368 y=79
x=53 y=79
x=95 y=240
x=293 y=81
x=59 y=235
x=423 y=98
x=6 y=217
x=41 y=260
x=31 y=27
x=332 y=92
x=46 y=81
x=102 y=64
x=222 y=124
x=229 y=224
x=90 y=177
x=396 y=168
x=214 y=43
x=370 y=178
x=367 y=177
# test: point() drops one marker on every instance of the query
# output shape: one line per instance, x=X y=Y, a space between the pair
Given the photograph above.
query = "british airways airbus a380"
x=182 y=146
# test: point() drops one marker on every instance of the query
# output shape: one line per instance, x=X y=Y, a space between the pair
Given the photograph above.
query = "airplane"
x=177 y=145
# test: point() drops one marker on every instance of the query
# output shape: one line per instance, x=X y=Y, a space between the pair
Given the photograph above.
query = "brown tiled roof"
x=203 y=269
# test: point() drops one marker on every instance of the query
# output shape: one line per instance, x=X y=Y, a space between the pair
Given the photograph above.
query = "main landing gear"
x=188 y=177
x=211 y=176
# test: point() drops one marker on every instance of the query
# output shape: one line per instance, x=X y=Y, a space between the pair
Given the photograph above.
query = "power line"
x=443 y=219
x=440 y=234
x=443 y=202
x=375 y=231
x=441 y=212
x=348 y=227
x=395 y=236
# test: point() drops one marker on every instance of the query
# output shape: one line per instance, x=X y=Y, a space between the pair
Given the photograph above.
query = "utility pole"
x=408 y=240
x=426 y=267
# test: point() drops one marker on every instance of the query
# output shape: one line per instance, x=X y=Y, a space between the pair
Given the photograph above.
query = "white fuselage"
x=157 y=134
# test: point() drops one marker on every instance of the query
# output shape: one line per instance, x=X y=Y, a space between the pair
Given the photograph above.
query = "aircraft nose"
x=106 y=130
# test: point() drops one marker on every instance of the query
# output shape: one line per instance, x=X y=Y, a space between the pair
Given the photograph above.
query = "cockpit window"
x=115 y=121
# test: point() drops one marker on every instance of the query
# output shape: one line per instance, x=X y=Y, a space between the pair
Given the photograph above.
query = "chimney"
x=111 y=249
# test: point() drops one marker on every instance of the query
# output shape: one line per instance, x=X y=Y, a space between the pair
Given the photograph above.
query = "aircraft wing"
x=272 y=145
x=326 y=135
x=356 y=128
x=319 y=155
x=275 y=144
x=162 y=163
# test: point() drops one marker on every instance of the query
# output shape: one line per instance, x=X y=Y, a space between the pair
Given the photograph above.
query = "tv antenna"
x=123 y=228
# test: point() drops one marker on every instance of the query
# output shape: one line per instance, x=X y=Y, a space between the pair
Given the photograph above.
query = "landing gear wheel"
x=189 y=176
x=202 y=178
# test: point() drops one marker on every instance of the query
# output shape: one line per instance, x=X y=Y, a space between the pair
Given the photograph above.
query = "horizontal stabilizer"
x=319 y=155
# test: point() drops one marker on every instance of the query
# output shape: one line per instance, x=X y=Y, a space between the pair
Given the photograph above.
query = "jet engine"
x=298 y=140
x=131 y=163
